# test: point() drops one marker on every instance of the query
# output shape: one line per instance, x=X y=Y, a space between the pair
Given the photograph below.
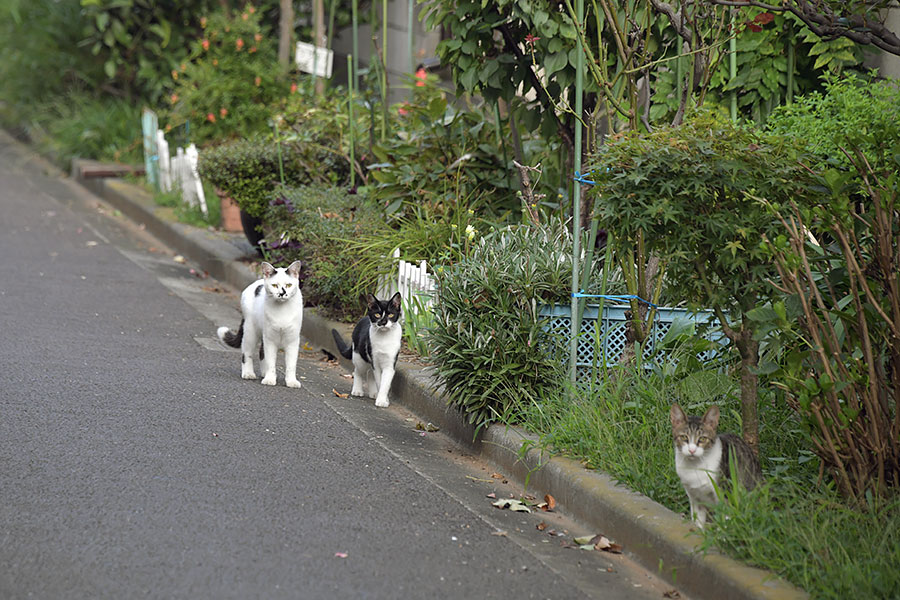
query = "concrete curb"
x=656 y=537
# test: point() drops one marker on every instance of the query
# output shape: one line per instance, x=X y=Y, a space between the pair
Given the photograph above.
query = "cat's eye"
x=287 y=285
x=703 y=439
x=682 y=438
x=377 y=315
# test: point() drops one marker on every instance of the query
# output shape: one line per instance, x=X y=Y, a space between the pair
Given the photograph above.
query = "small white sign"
x=315 y=60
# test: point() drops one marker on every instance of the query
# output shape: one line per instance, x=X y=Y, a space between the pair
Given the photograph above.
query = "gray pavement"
x=136 y=463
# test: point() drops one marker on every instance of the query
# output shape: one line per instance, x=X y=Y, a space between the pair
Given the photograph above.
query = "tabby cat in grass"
x=272 y=311
x=704 y=459
x=374 y=348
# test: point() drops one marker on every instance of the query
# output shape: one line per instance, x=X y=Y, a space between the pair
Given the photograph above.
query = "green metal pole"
x=384 y=100
x=576 y=197
x=355 y=17
x=350 y=77
x=791 y=65
x=732 y=66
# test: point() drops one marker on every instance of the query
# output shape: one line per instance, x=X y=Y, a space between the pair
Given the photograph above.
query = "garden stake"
x=409 y=35
x=354 y=8
x=732 y=67
x=280 y=162
x=576 y=196
x=350 y=77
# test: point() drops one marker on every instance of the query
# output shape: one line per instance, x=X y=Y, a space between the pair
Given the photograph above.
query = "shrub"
x=231 y=83
x=249 y=171
x=312 y=224
x=442 y=159
x=487 y=337
x=839 y=320
x=690 y=193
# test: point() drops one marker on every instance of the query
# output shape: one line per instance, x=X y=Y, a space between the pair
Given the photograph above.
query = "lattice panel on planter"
x=611 y=335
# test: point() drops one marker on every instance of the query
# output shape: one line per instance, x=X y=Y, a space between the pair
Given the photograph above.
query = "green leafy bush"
x=692 y=195
x=249 y=171
x=231 y=83
x=441 y=159
x=487 y=338
x=839 y=318
x=312 y=224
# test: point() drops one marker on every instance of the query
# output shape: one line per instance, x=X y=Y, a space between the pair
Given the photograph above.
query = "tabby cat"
x=704 y=459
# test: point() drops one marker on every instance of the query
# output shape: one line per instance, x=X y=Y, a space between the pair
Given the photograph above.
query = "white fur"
x=274 y=316
x=698 y=471
x=378 y=376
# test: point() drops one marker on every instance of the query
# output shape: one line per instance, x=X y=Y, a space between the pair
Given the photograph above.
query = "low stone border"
x=655 y=536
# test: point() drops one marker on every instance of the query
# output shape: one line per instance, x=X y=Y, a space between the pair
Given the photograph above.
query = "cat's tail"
x=229 y=337
x=345 y=350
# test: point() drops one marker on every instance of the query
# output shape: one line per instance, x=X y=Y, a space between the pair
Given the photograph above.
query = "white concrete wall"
x=398 y=62
x=888 y=65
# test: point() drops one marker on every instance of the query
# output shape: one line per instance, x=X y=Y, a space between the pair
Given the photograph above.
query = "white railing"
x=168 y=172
x=412 y=281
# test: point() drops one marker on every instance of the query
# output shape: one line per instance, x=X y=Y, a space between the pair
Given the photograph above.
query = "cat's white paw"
x=357 y=393
x=382 y=402
x=268 y=380
x=292 y=383
x=248 y=375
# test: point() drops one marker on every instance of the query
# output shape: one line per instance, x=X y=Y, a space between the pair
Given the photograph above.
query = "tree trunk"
x=749 y=351
x=285 y=33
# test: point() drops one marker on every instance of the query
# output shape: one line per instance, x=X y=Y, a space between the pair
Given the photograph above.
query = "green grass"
x=77 y=125
x=192 y=215
x=794 y=526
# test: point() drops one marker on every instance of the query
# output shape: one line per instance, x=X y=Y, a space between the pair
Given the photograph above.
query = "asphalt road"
x=134 y=461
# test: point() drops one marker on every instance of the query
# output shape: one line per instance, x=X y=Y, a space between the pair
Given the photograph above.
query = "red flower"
x=258 y=37
x=239 y=44
x=421 y=75
x=257 y=81
x=174 y=98
x=223 y=112
x=293 y=88
x=252 y=49
x=530 y=40
x=211 y=117
x=205 y=44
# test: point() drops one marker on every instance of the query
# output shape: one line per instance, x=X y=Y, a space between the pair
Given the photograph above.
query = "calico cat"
x=374 y=348
x=272 y=309
x=702 y=459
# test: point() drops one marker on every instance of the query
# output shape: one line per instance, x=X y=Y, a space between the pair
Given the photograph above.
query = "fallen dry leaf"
x=496 y=475
x=672 y=594
x=492 y=495
x=179 y=259
x=339 y=395
x=511 y=504
x=541 y=526
x=551 y=502
x=340 y=555
x=499 y=533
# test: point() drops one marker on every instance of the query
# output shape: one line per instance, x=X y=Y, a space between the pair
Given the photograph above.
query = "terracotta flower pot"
x=231 y=214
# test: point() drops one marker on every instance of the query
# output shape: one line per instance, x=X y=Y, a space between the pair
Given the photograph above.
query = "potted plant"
x=247 y=171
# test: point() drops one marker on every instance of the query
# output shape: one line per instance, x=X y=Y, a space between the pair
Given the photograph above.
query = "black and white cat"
x=374 y=348
x=703 y=459
x=272 y=309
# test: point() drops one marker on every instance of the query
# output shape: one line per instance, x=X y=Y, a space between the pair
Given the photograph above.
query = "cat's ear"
x=294 y=269
x=371 y=301
x=395 y=301
x=676 y=416
x=267 y=270
x=711 y=417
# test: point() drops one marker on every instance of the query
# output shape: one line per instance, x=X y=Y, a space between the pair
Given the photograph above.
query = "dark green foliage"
x=230 y=84
x=248 y=171
x=487 y=337
x=313 y=224
x=39 y=52
x=442 y=159
x=692 y=191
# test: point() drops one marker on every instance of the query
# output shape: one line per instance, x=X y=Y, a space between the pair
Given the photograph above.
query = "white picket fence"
x=412 y=281
x=172 y=172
